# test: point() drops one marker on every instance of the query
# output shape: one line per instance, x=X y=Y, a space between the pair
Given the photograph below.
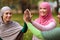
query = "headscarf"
x=44 y=20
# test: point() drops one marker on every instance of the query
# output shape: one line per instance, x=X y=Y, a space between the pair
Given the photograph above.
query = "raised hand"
x=27 y=16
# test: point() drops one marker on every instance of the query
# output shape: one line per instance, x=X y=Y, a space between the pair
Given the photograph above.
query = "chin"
x=42 y=15
x=7 y=20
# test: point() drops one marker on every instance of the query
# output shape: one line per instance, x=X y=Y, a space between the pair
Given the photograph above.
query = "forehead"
x=7 y=11
x=44 y=6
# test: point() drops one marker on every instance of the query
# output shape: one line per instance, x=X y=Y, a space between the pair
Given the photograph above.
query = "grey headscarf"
x=11 y=30
x=3 y=9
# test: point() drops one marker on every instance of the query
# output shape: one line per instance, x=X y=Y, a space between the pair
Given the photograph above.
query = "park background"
x=18 y=14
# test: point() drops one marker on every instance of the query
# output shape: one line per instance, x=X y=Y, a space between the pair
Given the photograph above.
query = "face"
x=7 y=16
x=42 y=11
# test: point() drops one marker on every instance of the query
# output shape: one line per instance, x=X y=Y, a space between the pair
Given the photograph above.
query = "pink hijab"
x=44 y=20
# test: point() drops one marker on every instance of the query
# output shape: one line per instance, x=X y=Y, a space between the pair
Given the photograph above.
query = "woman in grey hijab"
x=10 y=30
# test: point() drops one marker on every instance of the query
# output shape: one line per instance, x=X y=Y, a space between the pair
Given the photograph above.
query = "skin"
x=42 y=11
x=27 y=16
x=7 y=16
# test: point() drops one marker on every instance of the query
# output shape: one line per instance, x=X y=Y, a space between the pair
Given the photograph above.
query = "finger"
x=27 y=13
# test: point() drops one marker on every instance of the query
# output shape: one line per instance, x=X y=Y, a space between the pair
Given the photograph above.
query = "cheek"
x=5 y=17
x=42 y=13
x=45 y=11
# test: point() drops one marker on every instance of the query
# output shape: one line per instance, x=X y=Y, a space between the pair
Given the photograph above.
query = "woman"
x=10 y=30
x=45 y=21
x=53 y=34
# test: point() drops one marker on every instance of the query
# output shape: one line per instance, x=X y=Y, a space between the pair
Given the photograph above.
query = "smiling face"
x=7 y=16
x=42 y=11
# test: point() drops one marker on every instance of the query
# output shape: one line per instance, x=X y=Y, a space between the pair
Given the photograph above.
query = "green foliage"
x=35 y=1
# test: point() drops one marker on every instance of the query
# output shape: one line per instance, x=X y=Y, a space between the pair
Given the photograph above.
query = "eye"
x=6 y=13
x=44 y=8
x=40 y=8
x=10 y=13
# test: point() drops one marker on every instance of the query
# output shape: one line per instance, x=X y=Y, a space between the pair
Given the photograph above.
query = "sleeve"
x=44 y=28
x=24 y=28
x=1 y=39
x=52 y=34
x=35 y=31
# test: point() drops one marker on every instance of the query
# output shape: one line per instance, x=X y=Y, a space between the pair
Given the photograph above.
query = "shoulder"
x=52 y=21
x=15 y=23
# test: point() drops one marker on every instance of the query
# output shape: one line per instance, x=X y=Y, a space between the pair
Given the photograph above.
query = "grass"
x=19 y=19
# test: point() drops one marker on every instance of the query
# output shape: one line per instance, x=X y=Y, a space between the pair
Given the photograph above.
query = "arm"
x=48 y=35
x=44 y=28
x=35 y=31
x=24 y=28
x=52 y=34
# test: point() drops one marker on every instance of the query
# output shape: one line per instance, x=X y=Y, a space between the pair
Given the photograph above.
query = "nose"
x=9 y=15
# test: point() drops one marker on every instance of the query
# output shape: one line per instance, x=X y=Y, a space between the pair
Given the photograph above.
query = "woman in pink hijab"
x=45 y=21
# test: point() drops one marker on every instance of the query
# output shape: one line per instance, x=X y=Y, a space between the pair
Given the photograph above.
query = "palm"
x=27 y=16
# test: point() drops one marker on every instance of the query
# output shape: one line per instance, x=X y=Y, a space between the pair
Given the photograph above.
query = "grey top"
x=9 y=30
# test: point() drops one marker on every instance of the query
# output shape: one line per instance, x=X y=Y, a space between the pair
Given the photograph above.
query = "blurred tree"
x=35 y=1
x=44 y=0
x=0 y=3
x=25 y=4
x=8 y=2
x=57 y=6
